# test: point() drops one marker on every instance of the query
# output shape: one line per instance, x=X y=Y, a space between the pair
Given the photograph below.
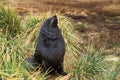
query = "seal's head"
x=51 y=22
x=50 y=28
x=54 y=21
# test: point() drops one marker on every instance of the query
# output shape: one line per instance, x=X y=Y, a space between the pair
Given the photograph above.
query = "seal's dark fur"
x=50 y=49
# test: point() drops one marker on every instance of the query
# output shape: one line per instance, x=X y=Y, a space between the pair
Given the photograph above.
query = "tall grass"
x=12 y=55
x=111 y=73
x=86 y=66
x=14 y=51
x=9 y=22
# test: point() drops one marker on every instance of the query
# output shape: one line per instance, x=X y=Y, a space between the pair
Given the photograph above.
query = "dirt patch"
x=70 y=7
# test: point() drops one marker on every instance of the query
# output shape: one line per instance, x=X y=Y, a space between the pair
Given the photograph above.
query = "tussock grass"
x=12 y=55
x=89 y=65
x=9 y=22
x=111 y=74
x=14 y=51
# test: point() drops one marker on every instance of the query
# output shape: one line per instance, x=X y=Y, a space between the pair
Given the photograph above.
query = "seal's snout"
x=54 y=21
x=55 y=17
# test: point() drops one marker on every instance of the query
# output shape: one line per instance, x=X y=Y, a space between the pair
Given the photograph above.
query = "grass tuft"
x=88 y=65
x=9 y=22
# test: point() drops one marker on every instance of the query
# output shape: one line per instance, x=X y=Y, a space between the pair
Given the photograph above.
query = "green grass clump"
x=88 y=65
x=9 y=22
x=111 y=74
x=12 y=55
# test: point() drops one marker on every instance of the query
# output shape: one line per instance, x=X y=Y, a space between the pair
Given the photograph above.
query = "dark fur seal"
x=50 y=49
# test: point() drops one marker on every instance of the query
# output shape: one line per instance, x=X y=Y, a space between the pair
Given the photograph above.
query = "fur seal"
x=50 y=48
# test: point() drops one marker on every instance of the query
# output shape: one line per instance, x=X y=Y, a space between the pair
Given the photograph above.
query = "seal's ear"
x=54 y=21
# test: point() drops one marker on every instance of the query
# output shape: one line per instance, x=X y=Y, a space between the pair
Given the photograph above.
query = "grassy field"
x=83 y=61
